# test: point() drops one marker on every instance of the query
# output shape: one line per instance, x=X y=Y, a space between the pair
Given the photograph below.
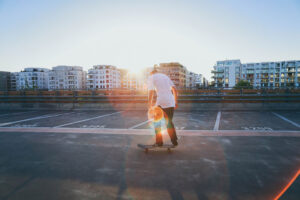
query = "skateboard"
x=147 y=147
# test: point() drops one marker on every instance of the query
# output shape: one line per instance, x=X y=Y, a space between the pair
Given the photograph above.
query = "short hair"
x=153 y=71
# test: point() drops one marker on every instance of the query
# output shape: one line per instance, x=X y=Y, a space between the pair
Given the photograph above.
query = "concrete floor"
x=102 y=166
x=66 y=160
x=206 y=120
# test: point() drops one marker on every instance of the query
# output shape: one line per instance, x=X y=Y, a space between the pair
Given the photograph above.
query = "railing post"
x=287 y=90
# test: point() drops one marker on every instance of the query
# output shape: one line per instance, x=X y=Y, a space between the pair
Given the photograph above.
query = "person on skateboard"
x=166 y=103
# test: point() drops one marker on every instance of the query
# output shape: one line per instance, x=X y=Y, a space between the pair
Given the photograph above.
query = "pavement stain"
x=17 y=187
x=226 y=141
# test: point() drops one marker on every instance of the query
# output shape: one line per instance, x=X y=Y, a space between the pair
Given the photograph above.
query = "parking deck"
x=198 y=120
x=94 y=155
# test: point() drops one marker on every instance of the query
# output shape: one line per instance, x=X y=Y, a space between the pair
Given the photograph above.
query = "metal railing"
x=181 y=92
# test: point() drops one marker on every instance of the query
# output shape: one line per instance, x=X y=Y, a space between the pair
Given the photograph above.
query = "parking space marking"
x=184 y=133
x=86 y=119
x=217 y=124
x=140 y=124
x=17 y=113
x=287 y=120
x=33 y=118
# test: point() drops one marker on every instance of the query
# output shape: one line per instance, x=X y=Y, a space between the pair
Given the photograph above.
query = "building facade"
x=67 y=78
x=272 y=74
x=103 y=77
x=13 y=81
x=226 y=73
x=176 y=72
x=205 y=82
x=259 y=75
x=4 y=81
x=30 y=79
x=193 y=80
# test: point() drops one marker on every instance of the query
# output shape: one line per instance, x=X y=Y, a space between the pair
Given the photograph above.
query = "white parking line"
x=29 y=119
x=140 y=124
x=217 y=124
x=17 y=113
x=184 y=133
x=287 y=120
x=86 y=119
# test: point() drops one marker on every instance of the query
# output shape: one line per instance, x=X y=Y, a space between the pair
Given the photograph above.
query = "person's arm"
x=174 y=91
x=150 y=98
x=151 y=90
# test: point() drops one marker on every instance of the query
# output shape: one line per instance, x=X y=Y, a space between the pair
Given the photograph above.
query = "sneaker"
x=175 y=143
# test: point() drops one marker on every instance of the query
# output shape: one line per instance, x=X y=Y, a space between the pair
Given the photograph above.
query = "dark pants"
x=168 y=115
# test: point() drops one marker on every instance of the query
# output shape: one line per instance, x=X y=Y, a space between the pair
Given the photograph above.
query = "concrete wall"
x=143 y=106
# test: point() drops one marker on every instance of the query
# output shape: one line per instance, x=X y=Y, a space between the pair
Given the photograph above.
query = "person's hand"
x=176 y=105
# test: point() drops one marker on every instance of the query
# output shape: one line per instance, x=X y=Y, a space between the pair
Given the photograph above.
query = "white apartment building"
x=264 y=74
x=193 y=80
x=31 y=79
x=272 y=74
x=226 y=73
x=67 y=78
x=198 y=81
x=103 y=77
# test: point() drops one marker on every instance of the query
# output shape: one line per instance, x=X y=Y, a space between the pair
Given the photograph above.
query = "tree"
x=242 y=84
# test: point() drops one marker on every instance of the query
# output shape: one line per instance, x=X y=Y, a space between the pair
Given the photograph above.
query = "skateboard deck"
x=147 y=147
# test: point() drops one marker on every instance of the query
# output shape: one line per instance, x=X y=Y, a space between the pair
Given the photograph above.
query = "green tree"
x=242 y=84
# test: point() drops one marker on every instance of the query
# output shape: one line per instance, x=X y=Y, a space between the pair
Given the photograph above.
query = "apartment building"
x=193 y=80
x=103 y=77
x=67 y=78
x=175 y=71
x=30 y=79
x=264 y=74
x=205 y=82
x=272 y=74
x=4 y=81
x=13 y=81
x=226 y=73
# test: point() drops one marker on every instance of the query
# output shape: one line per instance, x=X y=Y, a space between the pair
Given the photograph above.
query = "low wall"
x=143 y=106
x=139 y=102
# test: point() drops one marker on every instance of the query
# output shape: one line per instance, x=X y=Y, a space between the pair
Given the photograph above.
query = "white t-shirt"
x=163 y=86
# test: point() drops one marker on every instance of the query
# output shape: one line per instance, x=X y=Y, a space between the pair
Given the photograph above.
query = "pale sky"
x=136 y=34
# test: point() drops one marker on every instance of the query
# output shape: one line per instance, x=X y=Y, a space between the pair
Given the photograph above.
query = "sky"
x=135 y=34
